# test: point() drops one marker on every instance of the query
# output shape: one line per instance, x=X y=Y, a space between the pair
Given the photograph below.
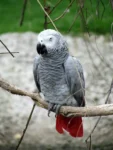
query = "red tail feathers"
x=73 y=125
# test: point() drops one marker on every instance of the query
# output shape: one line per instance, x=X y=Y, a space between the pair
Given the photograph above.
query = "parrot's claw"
x=57 y=109
x=50 y=108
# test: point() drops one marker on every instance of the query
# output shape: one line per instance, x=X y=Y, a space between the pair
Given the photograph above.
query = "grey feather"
x=75 y=79
x=35 y=72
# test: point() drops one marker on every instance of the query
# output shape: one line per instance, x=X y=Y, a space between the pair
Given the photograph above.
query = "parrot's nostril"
x=41 y=41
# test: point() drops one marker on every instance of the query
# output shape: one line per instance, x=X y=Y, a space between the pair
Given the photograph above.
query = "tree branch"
x=89 y=111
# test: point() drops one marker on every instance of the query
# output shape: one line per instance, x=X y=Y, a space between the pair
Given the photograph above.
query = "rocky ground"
x=96 y=56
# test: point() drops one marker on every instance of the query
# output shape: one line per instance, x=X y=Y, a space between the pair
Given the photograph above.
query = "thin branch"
x=3 y=136
x=47 y=15
x=89 y=144
x=103 y=9
x=23 y=12
x=89 y=111
x=6 y=48
x=92 y=60
x=81 y=6
x=111 y=1
x=101 y=56
x=91 y=2
x=45 y=19
x=8 y=52
x=98 y=5
x=55 y=6
x=97 y=8
x=24 y=131
x=74 y=21
x=65 y=11
x=112 y=31
x=109 y=92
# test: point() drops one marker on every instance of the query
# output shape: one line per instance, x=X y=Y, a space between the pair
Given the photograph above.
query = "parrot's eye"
x=50 y=39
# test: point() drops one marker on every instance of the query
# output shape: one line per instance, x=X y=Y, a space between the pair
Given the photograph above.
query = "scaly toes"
x=57 y=109
x=50 y=108
x=54 y=107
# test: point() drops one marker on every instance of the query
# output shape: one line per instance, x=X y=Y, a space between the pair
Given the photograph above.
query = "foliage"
x=98 y=20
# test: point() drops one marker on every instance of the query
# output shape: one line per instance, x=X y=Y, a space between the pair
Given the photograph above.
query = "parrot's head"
x=51 y=42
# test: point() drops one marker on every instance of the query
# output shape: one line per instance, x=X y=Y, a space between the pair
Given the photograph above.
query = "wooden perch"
x=89 y=111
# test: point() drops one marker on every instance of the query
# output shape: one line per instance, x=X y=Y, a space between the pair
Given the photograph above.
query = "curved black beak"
x=41 y=49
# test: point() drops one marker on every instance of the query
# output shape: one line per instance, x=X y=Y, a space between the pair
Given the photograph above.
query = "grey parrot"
x=60 y=78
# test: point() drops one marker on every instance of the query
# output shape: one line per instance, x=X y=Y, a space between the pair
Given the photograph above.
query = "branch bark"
x=89 y=111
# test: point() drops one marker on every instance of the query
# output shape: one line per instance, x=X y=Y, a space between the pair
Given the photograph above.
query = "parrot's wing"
x=35 y=72
x=75 y=79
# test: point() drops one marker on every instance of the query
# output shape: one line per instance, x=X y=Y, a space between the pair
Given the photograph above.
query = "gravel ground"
x=96 y=56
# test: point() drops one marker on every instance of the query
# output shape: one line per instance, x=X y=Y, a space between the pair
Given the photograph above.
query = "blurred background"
x=87 y=28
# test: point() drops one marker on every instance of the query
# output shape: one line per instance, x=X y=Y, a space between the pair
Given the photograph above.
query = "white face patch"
x=50 y=41
x=53 y=41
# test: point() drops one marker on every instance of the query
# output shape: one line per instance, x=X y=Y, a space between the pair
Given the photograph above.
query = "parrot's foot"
x=54 y=107
x=50 y=108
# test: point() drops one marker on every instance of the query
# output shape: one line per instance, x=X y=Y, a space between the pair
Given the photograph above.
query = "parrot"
x=60 y=78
